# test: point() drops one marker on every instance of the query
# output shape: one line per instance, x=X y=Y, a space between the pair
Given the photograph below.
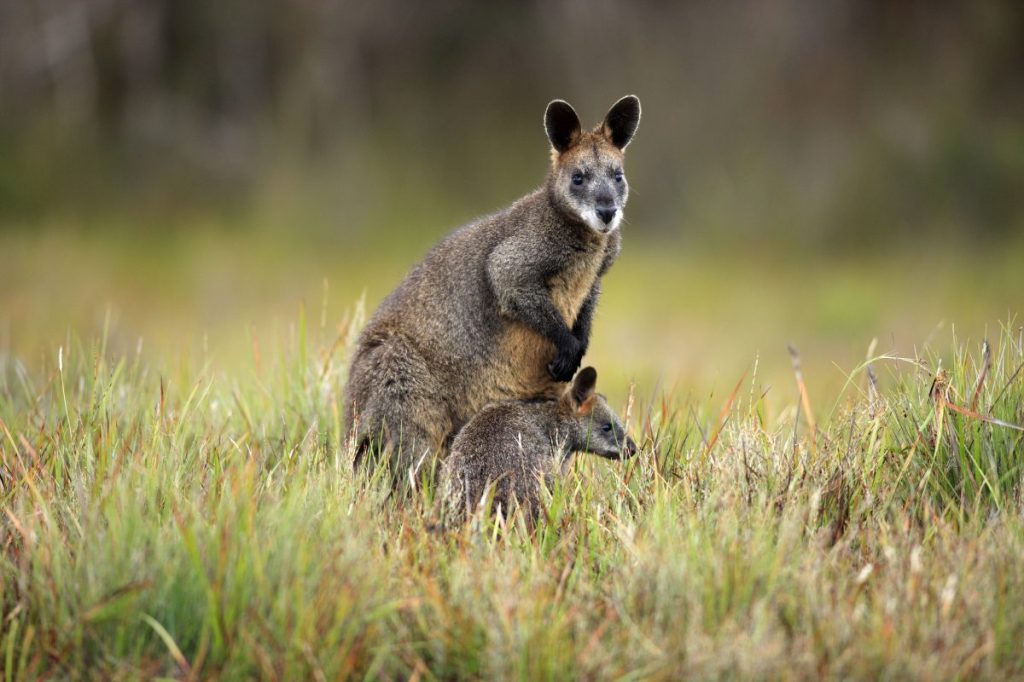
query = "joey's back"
x=509 y=448
x=501 y=308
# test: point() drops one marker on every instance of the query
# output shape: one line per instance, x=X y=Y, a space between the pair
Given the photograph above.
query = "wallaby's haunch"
x=500 y=309
x=514 y=445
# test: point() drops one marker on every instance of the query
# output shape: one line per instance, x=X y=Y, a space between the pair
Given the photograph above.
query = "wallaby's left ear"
x=621 y=121
x=562 y=125
x=583 y=386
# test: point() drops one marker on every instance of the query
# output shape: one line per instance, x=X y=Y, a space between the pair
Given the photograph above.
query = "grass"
x=162 y=519
x=673 y=317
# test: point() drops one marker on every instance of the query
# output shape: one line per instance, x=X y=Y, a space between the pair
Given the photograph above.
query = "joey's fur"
x=515 y=445
x=501 y=308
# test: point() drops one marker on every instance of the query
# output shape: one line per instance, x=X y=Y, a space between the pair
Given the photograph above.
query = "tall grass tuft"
x=165 y=520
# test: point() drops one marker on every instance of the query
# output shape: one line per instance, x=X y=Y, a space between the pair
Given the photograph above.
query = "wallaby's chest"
x=517 y=367
x=571 y=286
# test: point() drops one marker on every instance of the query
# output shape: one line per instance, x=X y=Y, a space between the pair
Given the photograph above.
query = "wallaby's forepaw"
x=580 y=352
x=565 y=364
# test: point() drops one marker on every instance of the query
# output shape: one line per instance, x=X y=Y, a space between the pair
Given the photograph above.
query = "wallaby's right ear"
x=562 y=125
x=621 y=121
x=583 y=387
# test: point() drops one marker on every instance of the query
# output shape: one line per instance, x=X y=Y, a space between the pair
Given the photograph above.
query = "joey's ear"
x=562 y=125
x=583 y=386
x=621 y=121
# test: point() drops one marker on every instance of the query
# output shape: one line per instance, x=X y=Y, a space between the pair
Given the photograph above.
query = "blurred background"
x=821 y=174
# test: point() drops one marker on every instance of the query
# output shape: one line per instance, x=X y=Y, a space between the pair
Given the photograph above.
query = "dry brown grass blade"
x=723 y=416
x=339 y=342
x=10 y=437
x=872 y=377
x=630 y=402
x=805 y=399
x=161 y=406
x=939 y=393
x=28 y=537
x=981 y=417
x=29 y=449
x=986 y=360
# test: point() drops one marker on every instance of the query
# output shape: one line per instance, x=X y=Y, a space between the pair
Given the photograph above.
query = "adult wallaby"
x=515 y=445
x=501 y=308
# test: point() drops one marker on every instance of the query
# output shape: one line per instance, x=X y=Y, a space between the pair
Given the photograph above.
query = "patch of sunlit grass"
x=166 y=519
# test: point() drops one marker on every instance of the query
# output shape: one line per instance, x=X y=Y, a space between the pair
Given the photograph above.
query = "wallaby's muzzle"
x=606 y=213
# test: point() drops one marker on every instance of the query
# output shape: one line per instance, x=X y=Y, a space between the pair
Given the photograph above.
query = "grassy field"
x=672 y=318
x=193 y=515
x=815 y=333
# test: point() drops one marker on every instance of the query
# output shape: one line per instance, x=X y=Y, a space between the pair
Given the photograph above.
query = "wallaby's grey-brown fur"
x=515 y=445
x=501 y=308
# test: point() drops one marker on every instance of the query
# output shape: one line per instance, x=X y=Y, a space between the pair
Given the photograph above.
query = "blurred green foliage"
x=819 y=174
x=826 y=124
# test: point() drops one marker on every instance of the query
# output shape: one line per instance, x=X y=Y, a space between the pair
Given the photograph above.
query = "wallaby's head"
x=587 y=180
x=598 y=428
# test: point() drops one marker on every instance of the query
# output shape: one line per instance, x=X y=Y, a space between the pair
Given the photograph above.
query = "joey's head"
x=587 y=181
x=596 y=427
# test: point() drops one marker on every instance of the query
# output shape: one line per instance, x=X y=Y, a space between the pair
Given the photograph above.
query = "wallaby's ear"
x=562 y=125
x=621 y=121
x=583 y=386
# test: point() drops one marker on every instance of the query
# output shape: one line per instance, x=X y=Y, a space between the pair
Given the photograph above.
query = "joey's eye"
x=606 y=427
x=577 y=178
x=618 y=176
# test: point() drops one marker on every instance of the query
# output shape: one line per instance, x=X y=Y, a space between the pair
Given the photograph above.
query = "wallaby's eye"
x=606 y=427
x=618 y=176
x=577 y=178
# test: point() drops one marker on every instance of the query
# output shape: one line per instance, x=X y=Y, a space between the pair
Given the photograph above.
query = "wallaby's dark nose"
x=629 y=449
x=606 y=213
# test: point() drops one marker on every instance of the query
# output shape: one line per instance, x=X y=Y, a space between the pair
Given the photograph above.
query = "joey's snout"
x=620 y=449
